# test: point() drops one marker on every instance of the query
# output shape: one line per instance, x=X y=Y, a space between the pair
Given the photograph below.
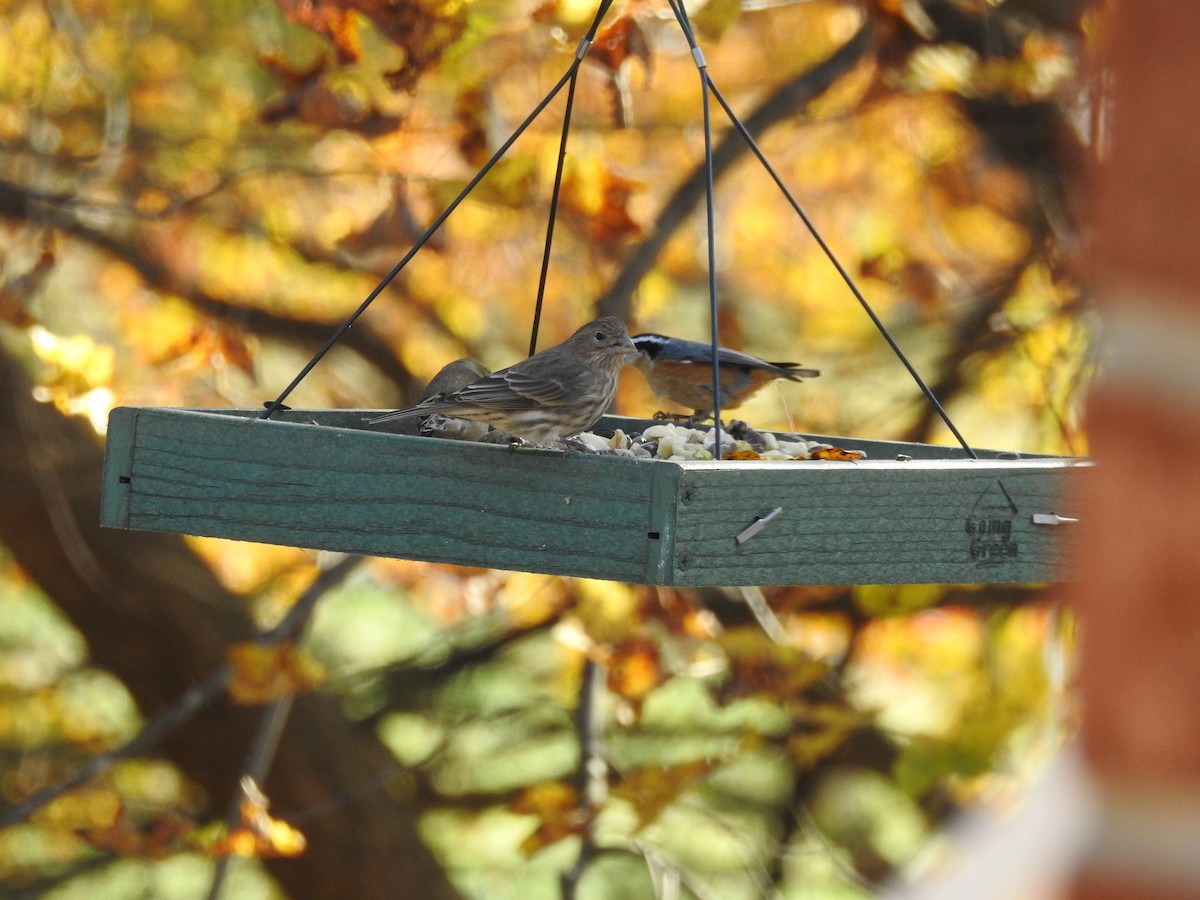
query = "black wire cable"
x=681 y=16
x=708 y=85
x=558 y=176
x=883 y=330
x=705 y=85
x=275 y=405
x=569 y=80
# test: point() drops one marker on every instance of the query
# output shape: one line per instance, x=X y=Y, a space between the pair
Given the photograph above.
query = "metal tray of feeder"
x=908 y=513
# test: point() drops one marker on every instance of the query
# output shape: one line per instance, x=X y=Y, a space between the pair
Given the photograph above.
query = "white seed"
x=658 y=432
x=593 y=442
x=620 y=440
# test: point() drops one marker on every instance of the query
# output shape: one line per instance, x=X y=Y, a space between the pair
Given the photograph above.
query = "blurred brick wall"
x=1139 y=599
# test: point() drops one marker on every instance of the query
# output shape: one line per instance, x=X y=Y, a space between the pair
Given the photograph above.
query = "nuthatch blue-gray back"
x=680 y=371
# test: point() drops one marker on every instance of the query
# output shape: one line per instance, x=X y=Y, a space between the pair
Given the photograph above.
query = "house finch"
x=681 y=371
x=453 y=376
x=551 y=395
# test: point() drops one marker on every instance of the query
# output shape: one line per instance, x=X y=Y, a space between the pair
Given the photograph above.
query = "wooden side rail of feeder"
x=909 y=513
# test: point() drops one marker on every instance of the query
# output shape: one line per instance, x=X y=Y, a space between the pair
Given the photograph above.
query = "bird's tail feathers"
x=796 y=372
x=410 y=412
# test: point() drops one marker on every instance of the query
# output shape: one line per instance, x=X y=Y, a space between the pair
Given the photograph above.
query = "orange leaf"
x=398 y=225
x=621 y=41
x=680 y=612
x=257 y=834
x=330 y=19
x=634 y=668
x=760 y=667
x=556 y=804
x=233 y=349
x=472 y=112
x=263 y=673
x=422 y=31
x=837 y=453
x=611 y=220
x=546 y=798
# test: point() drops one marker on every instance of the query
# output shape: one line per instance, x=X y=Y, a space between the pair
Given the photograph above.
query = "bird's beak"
x=631 y=351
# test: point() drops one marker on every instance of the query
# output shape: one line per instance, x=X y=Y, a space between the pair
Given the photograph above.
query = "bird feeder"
x=907 y=513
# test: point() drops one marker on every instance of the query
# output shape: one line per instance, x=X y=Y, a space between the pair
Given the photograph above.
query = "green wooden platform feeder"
x=908 y=513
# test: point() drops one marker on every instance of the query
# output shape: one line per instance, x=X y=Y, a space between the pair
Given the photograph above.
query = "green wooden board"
x=321 y=479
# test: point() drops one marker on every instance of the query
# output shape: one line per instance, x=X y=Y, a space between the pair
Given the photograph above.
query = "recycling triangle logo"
x=995 y=499
x=990 y=527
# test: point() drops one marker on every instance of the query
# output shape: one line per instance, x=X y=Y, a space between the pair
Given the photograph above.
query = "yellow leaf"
x=715 y=16
x=634 y=668
x=257 y=834
x=556 y=805
x=652 y=789
x=263 y=673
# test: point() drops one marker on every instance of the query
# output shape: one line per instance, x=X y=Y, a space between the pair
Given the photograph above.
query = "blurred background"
x=192 y=196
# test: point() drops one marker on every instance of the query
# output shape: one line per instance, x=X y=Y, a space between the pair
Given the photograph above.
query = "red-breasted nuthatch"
x=681 y=371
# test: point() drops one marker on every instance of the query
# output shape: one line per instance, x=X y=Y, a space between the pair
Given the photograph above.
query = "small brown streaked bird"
x=454 y=376
x=680 y=371
x=554 y=394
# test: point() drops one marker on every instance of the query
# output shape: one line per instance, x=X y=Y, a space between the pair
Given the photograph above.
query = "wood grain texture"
x=320 y=479
x=876 y=522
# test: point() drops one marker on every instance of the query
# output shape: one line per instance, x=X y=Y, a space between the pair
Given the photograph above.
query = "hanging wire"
x=709 y=85
x=585 y=44
x=812 y=229
x=558 y=176
x=705 y=85
x=569 y=80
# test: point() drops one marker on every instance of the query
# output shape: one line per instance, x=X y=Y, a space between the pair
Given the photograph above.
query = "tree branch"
x=54 y=210
x=156 y=617
x=591 y=778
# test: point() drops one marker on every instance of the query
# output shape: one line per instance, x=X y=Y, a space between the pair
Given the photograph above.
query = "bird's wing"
x=681 y=351
x=547 y=379
x=699 y=353
x=786 y=369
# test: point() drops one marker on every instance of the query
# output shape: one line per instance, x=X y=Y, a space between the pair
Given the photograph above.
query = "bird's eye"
x=600 y=335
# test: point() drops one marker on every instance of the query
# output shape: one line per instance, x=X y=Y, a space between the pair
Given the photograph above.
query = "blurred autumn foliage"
x=192 y=196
